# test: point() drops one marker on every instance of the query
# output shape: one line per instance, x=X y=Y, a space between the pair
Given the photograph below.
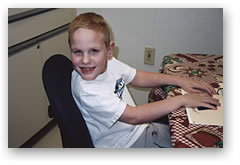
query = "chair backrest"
x=56 y=75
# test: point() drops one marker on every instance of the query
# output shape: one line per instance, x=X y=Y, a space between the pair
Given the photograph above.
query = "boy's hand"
x=203 y=100
x=194 y=86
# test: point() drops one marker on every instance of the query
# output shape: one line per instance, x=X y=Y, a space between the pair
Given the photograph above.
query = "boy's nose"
x=85 y=59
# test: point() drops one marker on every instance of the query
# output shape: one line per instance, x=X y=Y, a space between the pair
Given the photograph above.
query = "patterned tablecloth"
x=201 y=67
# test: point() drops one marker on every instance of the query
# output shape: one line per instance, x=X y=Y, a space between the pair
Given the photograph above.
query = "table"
x=203 y=67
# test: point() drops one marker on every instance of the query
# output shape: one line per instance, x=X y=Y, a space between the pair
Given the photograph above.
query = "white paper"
x=208 y=117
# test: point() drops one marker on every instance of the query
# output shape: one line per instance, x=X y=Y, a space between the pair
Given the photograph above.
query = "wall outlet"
x=149 y=55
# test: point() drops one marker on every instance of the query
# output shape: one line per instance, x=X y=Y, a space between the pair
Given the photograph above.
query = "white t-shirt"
x=102 y=101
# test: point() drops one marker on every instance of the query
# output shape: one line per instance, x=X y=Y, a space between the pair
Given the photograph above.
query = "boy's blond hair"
x=90 y=21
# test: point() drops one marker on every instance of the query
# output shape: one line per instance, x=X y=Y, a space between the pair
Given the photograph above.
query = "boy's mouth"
x=87 y=70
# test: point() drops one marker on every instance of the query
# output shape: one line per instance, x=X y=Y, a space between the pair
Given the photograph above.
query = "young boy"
x=99 y=90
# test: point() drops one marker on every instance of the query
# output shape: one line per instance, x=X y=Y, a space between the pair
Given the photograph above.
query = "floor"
x=51 y=140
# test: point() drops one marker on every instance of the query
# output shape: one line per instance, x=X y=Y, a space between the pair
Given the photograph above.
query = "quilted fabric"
x=203 y=67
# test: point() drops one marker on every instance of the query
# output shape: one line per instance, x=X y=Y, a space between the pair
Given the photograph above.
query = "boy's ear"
x=111 y=50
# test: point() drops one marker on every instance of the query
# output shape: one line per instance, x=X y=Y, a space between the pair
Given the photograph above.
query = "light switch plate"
x=149 y=55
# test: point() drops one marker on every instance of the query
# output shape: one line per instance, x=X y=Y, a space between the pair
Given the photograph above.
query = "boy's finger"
x=197 y=91
x=213 y=102
x=208 y=88
x=210 y=106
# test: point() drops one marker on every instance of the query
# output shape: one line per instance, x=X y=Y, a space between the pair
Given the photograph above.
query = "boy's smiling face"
x=89 y=53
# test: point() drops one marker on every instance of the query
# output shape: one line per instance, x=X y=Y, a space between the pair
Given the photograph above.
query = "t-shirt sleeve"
x=105 y=106
x=127 y=72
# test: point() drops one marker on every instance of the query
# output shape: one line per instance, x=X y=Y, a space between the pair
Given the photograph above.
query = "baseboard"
x=35 y=138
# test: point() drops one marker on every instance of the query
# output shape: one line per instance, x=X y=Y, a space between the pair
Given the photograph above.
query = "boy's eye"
x=94 y=51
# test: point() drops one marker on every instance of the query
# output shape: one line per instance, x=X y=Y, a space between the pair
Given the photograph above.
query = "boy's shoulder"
x=115 y=64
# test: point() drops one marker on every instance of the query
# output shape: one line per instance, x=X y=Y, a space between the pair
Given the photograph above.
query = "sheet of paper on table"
x=208 y=117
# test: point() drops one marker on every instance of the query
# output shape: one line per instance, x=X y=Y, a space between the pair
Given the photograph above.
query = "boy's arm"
x=150 y=79
x=149 y=112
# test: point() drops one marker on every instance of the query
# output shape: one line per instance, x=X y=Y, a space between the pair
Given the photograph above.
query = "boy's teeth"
x=88 y=69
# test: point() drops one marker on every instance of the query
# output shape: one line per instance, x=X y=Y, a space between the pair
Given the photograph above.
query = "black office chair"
x=56 y=77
